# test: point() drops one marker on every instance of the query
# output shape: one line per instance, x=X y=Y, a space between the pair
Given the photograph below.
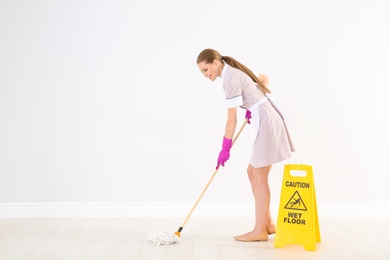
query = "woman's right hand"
x=224 y=155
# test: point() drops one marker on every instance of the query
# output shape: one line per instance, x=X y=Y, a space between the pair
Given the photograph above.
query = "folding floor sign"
x=298 y=217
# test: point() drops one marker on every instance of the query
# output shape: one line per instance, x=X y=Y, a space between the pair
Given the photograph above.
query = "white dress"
x=272 y=141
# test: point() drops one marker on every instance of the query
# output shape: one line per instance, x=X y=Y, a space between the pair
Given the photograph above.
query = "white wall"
x=102 y=102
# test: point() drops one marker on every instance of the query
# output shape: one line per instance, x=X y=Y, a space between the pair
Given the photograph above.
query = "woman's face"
x=210 y=70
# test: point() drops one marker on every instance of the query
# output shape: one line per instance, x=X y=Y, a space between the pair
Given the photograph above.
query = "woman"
x=272 y=143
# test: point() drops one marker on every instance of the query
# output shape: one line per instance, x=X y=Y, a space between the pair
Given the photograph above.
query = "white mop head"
x=163 y=238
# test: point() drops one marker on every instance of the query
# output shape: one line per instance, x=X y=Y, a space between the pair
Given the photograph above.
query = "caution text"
x=298 y=184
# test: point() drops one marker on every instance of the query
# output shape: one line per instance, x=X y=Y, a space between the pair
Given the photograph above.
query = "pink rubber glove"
x=225 y=152
x=248 y=116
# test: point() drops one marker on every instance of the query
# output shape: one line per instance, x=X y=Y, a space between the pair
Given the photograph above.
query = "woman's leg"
x=269 y=218
x=258 y=178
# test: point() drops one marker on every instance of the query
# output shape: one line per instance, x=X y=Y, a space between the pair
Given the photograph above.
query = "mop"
x=165 y=237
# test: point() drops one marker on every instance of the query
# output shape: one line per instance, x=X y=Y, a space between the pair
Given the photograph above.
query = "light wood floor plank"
x=55 y=240
x=10 y=239
x=6 y=224
x=371 y=234
x=81 y=239
x=205 y=242
x=131 y=239
x=105 y=241
x=202 y=239
x=350 y=240
x=229 y=248
x=333 y=243
x=28 y=242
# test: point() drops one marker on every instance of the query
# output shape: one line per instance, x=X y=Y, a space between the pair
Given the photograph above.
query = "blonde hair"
x=209 y=55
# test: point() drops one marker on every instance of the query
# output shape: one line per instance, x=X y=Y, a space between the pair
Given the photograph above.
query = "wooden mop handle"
x=211 y=178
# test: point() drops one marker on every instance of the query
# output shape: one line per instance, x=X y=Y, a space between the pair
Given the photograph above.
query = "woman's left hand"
x=248 y=116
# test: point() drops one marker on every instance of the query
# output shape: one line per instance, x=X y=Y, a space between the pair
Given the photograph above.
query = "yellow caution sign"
x=298 y=218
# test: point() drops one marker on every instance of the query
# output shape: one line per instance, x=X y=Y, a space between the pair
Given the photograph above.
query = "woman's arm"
x=263 y=79
x=228 y=138
x=231 y=123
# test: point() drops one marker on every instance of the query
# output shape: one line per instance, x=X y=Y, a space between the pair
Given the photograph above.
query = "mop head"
x=163 y=238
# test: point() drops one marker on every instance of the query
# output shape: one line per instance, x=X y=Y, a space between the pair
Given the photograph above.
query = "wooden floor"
x=202 y=238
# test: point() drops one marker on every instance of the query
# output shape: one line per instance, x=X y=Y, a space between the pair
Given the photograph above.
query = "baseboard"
x=62 y=210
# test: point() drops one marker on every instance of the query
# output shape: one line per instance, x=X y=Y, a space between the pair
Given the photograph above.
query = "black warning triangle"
x=296 y=202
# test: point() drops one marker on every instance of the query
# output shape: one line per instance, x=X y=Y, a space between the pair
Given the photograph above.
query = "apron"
x=255 y=111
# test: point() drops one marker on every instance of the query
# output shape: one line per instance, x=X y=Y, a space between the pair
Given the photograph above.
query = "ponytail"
x=208 y=55
x=235 y=64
